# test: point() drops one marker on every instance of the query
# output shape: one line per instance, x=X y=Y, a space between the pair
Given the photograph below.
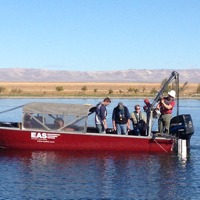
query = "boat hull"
x=37 y=140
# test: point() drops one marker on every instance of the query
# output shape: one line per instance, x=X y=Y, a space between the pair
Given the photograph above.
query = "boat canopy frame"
x=44 y=116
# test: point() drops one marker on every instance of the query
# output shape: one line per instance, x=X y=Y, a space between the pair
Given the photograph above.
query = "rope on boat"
x=11 y=109
x=160 y=146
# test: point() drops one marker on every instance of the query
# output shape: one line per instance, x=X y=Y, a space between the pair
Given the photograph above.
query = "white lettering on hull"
x=44 y=137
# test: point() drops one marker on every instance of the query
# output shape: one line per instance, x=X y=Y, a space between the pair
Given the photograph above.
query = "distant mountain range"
x=131 y=75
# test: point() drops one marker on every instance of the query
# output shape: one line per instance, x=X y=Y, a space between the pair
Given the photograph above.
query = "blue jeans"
x=100 y=128
x=121 y=129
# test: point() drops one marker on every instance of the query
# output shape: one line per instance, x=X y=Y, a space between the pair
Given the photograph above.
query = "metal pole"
x=174 y=75
x=177 y=91
x=150 y=122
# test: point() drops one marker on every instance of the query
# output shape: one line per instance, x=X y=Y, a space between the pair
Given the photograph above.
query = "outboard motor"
x=182 y=127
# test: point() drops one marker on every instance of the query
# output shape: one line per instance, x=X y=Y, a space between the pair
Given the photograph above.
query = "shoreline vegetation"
x=90 y=90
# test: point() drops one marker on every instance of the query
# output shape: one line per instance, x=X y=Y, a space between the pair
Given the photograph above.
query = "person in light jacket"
x=139 y=120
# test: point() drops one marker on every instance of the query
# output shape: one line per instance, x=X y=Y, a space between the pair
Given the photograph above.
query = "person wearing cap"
x=166 y=106
x=121 y=119
x=139 y=120
x=101 y=114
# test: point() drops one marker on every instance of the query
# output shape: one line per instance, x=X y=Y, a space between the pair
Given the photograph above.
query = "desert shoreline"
x=90 y=97
x=87 y=90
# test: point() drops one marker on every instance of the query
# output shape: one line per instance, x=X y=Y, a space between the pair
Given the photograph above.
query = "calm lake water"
x=100 y=175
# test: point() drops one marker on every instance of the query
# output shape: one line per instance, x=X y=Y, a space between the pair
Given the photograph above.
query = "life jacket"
x=138 y=117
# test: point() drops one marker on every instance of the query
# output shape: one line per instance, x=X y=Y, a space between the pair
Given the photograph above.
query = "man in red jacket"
x=166 y=106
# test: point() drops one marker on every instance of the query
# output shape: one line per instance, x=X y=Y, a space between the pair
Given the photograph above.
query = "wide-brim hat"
x=172 y=93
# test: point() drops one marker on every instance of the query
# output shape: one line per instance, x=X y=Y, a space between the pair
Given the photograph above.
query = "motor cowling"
x=182 y=126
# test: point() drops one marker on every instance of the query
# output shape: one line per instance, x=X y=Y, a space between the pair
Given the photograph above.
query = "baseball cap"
x=121 y=105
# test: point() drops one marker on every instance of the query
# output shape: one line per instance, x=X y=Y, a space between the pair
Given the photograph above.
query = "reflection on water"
x=100 y=175
x=105 y=175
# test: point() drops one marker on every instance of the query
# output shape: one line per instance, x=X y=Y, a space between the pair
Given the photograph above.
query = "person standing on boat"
x=121 y=119
x=100 y=117
x=166 y=106
x=139 y=119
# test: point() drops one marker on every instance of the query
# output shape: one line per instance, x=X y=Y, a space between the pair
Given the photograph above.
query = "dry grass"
x=92 y=89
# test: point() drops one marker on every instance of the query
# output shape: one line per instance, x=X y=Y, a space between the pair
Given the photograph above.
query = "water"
x=100 y=175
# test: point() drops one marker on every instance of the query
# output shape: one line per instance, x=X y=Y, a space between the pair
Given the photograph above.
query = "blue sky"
x=95 y=35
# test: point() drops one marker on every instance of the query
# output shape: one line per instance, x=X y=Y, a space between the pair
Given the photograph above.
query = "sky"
x=99 y=35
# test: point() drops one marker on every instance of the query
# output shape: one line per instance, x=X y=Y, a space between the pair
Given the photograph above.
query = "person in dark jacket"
x=121 y=119
x=100 y=117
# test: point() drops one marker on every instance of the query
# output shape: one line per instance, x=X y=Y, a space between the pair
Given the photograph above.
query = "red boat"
x=59 y=126
x=64 y=126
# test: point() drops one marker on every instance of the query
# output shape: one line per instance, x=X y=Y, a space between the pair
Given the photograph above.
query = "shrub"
x=84 y=88
x=59 y=88
x=168 y=87
x=16 y=91
x=136 y=90
x=110 y=91
x=2 y=89
x=198 y=89
x=184 y=87
x=130 y=89
x=120 y=91
x=153 y=91
x=143 y=89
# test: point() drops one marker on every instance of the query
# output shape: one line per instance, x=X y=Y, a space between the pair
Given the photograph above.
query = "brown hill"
x=131 y=75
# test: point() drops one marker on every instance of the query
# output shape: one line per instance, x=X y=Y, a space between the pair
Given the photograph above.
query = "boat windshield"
x=56 y=116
